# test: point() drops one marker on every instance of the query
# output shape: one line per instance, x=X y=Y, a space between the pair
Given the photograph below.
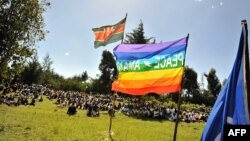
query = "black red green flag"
x=109 y=34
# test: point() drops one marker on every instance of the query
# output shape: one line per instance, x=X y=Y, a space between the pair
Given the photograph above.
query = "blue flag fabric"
x=231 y=106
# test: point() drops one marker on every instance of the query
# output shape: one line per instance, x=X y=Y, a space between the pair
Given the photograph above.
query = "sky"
x=214 y=28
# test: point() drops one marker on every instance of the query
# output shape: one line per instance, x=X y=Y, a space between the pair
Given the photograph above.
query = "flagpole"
x=113 y=97
x=112 y=113
x=124 y=28
x=179 y=97
x=246 y=64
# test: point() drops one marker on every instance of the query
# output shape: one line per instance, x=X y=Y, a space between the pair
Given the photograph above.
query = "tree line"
x=22 y=26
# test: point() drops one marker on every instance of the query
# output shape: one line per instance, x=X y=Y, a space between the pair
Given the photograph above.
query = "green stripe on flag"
x=112 y=39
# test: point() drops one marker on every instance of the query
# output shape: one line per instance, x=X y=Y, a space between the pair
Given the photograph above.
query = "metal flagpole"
x=113 y=98
x=179 y=97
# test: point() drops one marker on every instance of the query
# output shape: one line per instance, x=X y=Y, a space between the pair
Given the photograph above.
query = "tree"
x=47 y=70
x=47 y=62
x=190 y=83
x=213 y=81
x=21 y=27
x=84 y=76
x=207 y=98
x=94 y=86
x=137 y=36
x=108 y=71
x=32 y=72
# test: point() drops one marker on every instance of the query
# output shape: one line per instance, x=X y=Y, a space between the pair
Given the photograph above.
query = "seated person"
x=40 y=98
x=33 y=102
x=71 y=110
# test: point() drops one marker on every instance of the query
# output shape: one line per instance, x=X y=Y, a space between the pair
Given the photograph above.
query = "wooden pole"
x=124 y=29
x=179 y=99
x=112 y=113
x=246 y=63
x=177 y=116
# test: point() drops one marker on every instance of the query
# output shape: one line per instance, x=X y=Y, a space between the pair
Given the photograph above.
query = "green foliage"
x=82 y=77
x=21 y=26
x=214 y=85
x=55 y=80
x=60 y=83
x=208 y=98
x=195 y=107
x=197 y=97
x=164 y=98
x=174 y=97
x=137 y=36
x=190 y=83
x=32 y=72
x=47 y=62
x=47 y=70
x=71 y=84
x=108 y=72
x=94 y=86
x=169 y=104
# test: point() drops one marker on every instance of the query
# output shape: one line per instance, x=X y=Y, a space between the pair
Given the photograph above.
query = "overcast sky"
x=214 y=28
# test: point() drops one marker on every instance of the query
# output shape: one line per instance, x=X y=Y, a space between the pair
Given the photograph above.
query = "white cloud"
x=213 y=7
x=66 y=54
x=221 y=3
x=198 y=0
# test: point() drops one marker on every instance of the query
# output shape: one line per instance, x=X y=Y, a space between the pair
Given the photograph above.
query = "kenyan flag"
x=109 y=34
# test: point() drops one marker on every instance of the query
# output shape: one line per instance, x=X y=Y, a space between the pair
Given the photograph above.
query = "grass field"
x=46 y=122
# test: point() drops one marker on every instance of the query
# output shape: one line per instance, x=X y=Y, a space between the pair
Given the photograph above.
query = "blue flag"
x=231 y=106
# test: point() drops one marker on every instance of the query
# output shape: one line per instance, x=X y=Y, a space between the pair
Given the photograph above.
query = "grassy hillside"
x=46 y=122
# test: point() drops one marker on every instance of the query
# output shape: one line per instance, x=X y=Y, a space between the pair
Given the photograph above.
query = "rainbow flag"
x=150 y=68
x=109 y=34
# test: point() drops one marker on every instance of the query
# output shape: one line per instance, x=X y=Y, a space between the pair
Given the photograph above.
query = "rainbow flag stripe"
x=150 y=68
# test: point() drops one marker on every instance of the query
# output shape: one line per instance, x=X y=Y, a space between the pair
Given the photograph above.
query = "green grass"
x=46 y=122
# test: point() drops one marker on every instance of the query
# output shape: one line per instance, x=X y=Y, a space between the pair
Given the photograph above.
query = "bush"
x=169 y=104
x=194 y=107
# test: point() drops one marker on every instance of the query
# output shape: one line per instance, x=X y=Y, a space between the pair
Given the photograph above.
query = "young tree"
x=213 y=81
x=47 y=69
x=47 y=62
x=138 y=37
x=21 y=27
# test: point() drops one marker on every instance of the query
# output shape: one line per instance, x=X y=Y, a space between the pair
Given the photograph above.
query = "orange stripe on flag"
x=142 y=91
x=149 y=82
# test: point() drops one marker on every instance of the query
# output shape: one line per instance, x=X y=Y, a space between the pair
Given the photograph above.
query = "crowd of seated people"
x=19 y=94
x=146 y=109
x=82 y=101
x=94 y=103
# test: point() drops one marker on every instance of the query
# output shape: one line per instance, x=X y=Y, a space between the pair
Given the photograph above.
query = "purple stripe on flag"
x=148 y=47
